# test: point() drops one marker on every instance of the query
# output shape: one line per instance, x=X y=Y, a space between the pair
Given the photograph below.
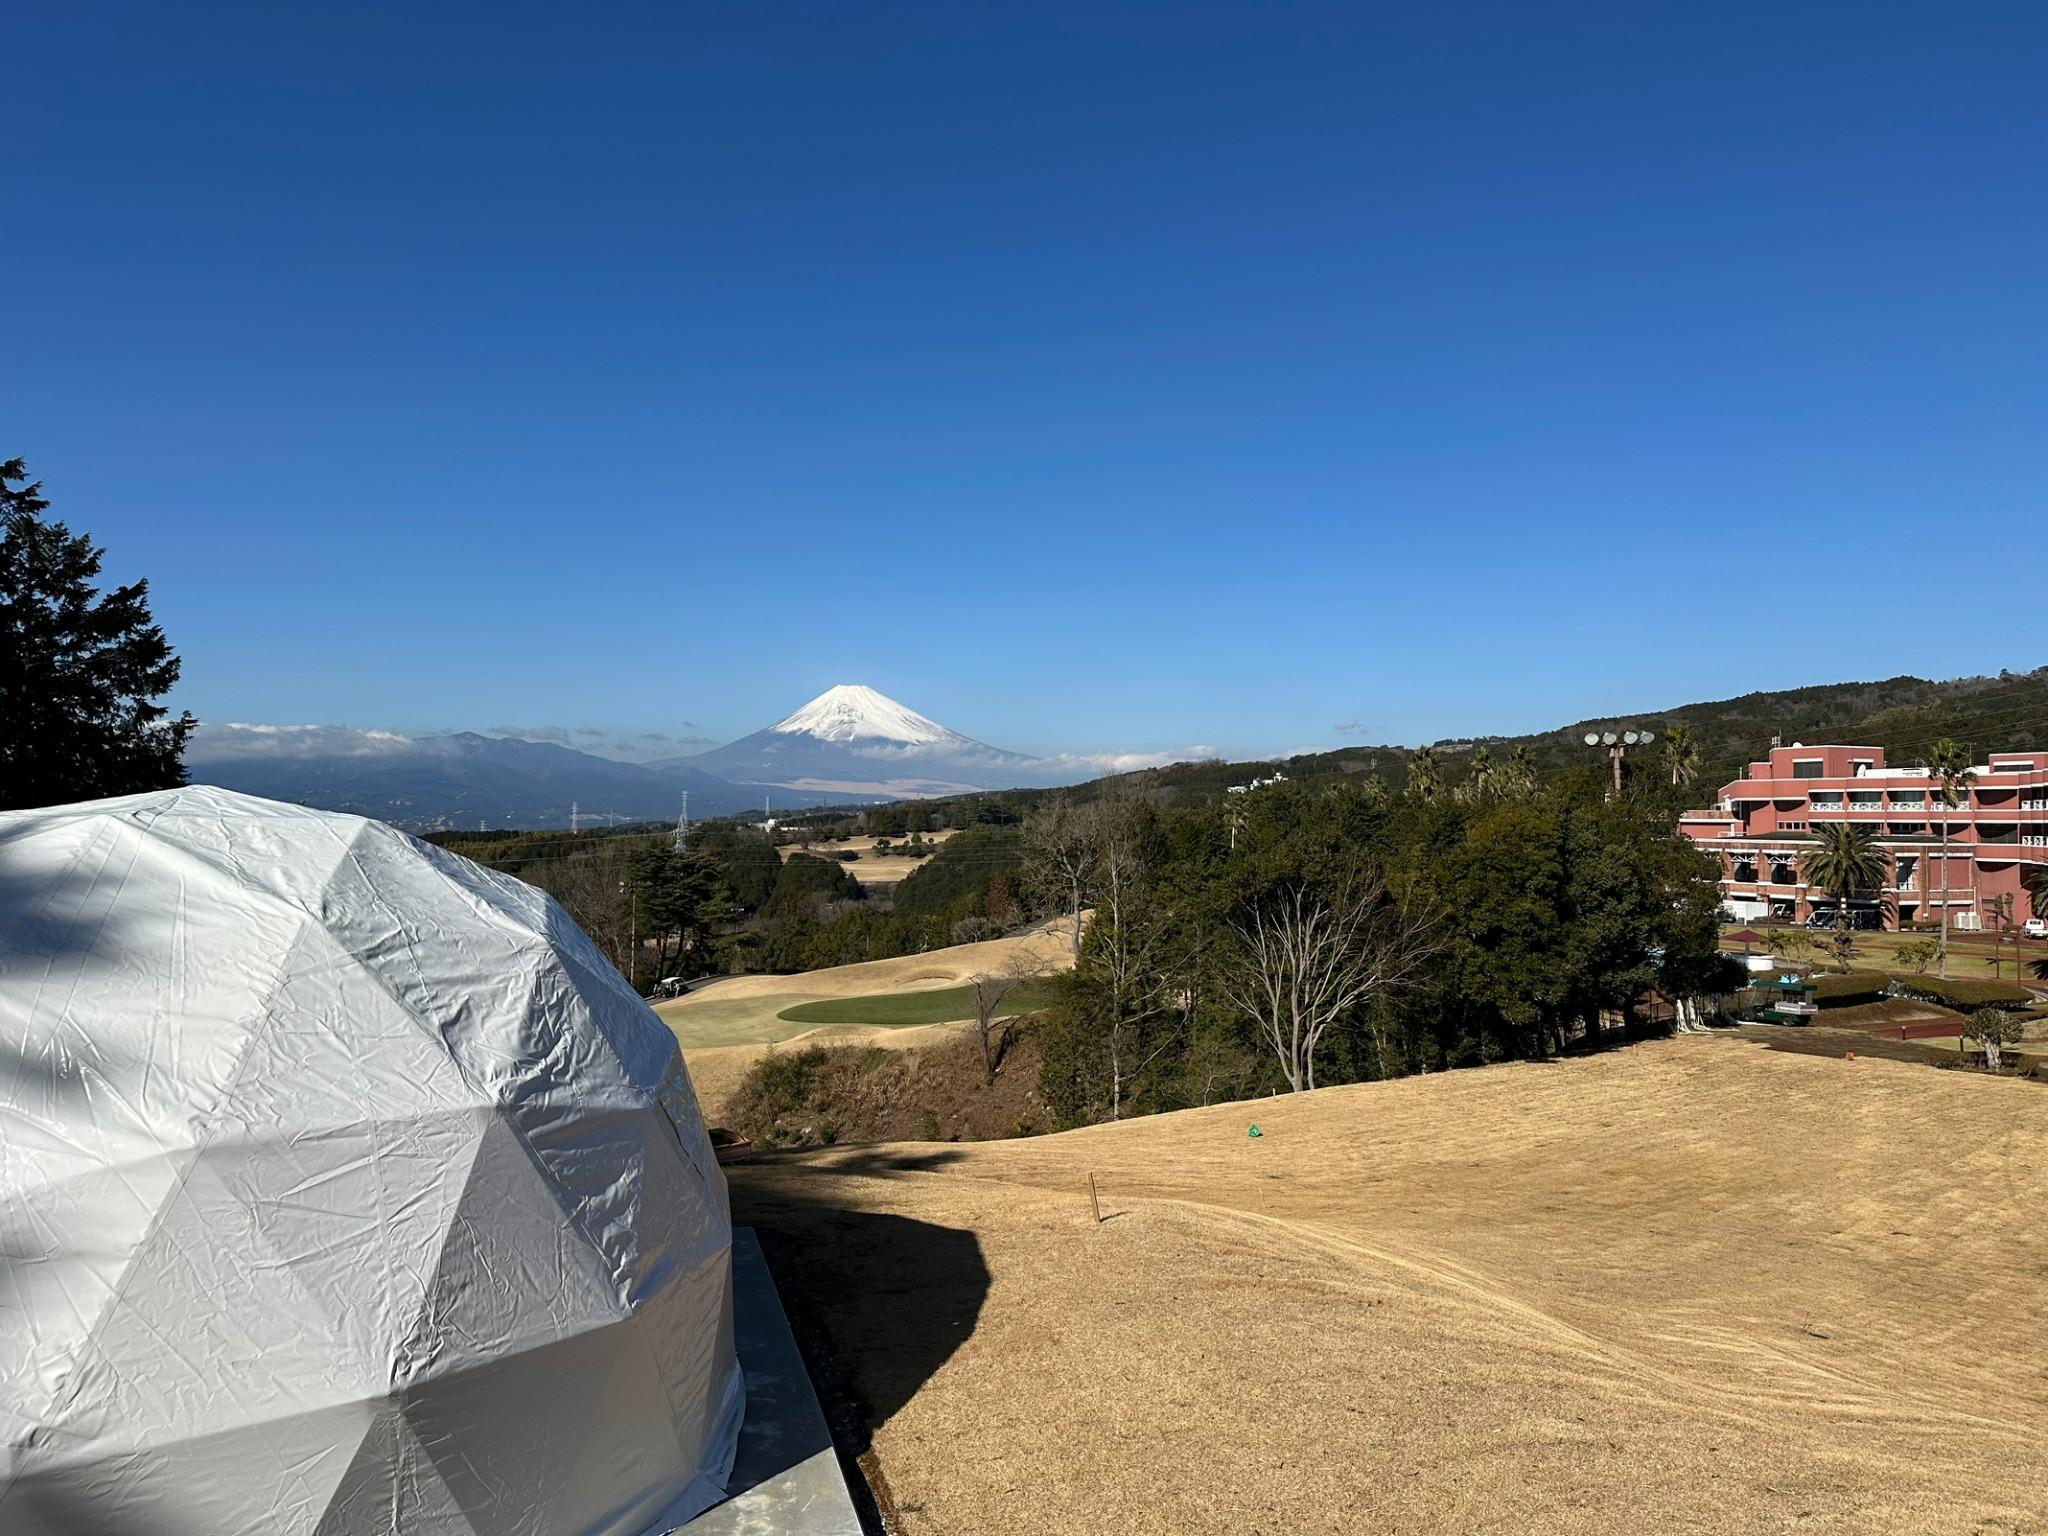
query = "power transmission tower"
x=683 y=825
x=575 y=816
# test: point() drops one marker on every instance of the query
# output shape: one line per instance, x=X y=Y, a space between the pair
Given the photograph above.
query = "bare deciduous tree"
x=989 y=991
x=591 y=885
x=1129 y=938
x=1061 y=846
x=1304 y=962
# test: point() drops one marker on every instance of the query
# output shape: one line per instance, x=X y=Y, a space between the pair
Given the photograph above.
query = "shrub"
x=1849 y=988
x=1994 y=1030
x=1963 y=996
x=784 y=1080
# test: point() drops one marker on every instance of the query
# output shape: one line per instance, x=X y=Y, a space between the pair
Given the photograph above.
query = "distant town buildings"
x=1997 y=832
x=1245 y=789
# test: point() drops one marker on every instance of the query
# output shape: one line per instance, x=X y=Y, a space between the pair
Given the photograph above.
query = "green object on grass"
x=1255 y=1131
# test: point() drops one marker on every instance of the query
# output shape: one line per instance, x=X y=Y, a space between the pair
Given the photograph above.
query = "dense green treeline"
x=1302 y=935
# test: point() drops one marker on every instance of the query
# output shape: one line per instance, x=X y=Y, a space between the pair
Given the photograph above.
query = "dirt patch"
x=820 y=1095
x=1690 y=1286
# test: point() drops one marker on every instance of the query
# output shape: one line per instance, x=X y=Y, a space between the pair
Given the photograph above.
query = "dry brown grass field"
x=865 y=866
x=1695 y=1285
x=726 y=1025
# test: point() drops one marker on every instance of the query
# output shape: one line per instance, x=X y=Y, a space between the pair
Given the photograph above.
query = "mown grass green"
x=896 y=1010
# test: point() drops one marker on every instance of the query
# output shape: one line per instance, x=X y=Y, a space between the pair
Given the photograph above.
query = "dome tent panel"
x=378 y=1146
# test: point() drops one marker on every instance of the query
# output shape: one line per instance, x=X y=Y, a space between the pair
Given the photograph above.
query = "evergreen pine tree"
x=80 y=672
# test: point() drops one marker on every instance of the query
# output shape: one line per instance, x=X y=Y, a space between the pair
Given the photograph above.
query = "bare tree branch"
x=1305 y=962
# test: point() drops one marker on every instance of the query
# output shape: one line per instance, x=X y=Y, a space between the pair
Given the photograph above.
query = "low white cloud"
x=554 y=733
x=1123 y=762
x=235 y=740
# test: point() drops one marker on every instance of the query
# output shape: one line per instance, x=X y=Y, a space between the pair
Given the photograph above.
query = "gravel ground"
x=1691 y=1286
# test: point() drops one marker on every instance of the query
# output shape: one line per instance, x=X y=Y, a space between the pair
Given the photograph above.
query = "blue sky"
x=1088 y=377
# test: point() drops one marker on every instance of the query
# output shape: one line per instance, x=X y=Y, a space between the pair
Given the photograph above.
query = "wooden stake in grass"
x=1093 y=1203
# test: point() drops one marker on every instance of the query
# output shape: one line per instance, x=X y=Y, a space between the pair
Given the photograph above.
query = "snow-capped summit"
x=853 y=740
x=854 y=712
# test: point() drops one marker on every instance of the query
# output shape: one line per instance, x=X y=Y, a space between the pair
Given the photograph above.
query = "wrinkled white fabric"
x=344 y=1188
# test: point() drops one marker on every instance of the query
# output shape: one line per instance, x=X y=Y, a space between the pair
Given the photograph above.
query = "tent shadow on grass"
x=877 y=1302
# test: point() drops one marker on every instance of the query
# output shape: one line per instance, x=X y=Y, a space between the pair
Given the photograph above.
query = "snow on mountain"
x=853 y=712
x=853 y=740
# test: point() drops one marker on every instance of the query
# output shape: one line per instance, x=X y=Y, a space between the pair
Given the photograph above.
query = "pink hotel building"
x=1997 y=832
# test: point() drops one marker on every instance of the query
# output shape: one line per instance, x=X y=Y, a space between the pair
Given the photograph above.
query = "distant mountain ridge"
x=849 y=744
x=428 y=782
x=1904 y=715
x=853 y=744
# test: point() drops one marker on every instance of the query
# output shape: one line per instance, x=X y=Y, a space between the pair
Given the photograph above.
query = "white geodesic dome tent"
x=344 y=1188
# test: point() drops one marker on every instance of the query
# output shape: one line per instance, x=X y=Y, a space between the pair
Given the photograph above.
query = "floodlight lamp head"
x=1646 y=737
x=1592 y=738
x=1608 y=737
x=1628 y=738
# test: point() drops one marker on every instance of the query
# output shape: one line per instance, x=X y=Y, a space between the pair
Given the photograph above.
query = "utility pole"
x=683 y=824
x=575 y=816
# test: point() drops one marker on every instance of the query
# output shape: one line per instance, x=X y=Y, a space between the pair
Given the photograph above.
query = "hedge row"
x=1962 y=995
x=1849 y=988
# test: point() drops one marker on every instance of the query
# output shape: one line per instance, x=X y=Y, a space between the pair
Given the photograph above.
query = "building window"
x=1806 y=768
x=1908 y=829
x=1827 y=799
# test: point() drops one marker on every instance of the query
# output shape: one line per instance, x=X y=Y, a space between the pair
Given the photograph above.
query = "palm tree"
x=2037 y=889
x=1949 y=763
x=1843 y=860
x=1425 y=776
x=1519 y=777
x=1483 y=786
x=1681 y=755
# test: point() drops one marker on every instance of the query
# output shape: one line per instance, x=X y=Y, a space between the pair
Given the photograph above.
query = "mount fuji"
x=851 y=740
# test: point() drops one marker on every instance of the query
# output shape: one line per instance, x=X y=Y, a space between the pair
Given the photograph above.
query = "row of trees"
x=1295 y=936
x=736 y=902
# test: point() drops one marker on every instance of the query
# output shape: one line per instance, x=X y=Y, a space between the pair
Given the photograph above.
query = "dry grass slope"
x=742 y=1010
x=725 y=1026
x=1695 y=1286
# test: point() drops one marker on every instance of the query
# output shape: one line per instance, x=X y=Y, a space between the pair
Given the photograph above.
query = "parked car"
x=2035 y=928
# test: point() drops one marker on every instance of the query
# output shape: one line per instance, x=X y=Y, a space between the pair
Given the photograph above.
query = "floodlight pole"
x=1617 y=747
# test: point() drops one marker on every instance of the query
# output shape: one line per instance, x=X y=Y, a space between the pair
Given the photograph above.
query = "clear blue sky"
x=1088 y=377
